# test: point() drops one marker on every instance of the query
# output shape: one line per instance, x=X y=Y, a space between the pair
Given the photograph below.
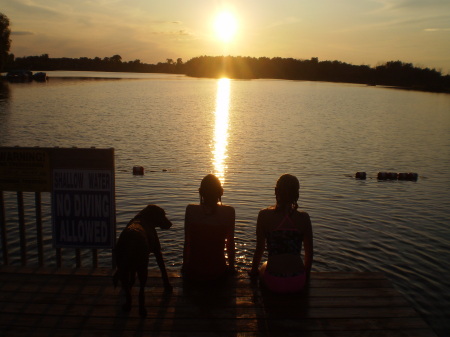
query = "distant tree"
x=116 y=58
x=5 y=41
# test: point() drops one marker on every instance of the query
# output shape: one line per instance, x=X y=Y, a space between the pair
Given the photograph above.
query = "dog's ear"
x=155 y=216
x=150 y=211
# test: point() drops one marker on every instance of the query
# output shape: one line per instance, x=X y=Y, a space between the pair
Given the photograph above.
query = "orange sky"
x=353 y=31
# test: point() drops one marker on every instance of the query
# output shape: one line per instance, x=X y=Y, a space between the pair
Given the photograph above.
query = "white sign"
x=83 y=208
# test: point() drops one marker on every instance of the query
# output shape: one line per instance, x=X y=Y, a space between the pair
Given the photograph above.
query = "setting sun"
x=225 y=26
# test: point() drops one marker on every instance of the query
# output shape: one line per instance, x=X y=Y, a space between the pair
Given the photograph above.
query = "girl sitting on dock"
x=284 y=229
x=208 y=228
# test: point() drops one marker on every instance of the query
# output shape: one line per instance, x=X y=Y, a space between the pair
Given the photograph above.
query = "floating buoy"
x=403 y=176
x=382 y=176
x=408 y=176
x=138 y=170
x=392 y=176
x=413 y=176
x=361 y=175
x=387 y=176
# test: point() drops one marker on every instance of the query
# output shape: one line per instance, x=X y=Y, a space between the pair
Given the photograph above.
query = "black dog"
x=132 y=251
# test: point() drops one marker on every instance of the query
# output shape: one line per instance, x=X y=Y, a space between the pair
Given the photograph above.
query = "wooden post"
x=58 y=257
x=78 y=257
x=23 y=243
x=94 y=258
x=3 y=229
x=37 y=198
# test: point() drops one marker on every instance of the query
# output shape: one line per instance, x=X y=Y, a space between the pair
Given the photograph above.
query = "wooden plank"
x=61 y=332
x=176 y=298
x=94 y=322
x=73 y=289
x=207 y=311
x=94 y=258
x=189 y=326
x=175 y=274
x=68 y=288
x=316 y=286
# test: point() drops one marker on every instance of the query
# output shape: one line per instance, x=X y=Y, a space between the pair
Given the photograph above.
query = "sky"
x=369 y=32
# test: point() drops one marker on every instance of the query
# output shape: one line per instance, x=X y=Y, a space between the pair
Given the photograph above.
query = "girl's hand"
x=253 y=273
x=231 y=270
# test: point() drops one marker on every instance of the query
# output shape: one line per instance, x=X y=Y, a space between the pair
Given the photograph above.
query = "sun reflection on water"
x=221 y=128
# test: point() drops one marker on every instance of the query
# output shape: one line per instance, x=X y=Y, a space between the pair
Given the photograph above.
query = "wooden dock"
x=58 y=302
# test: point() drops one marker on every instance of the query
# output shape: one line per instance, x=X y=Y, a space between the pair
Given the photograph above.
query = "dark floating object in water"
x=138 y=170
x=25 y=76
x=40 y=77
x=408 y=176
x=387 y=176
x=400 y=176
x=19 y=76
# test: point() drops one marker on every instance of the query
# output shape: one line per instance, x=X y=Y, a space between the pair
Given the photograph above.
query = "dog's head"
x=155 y=216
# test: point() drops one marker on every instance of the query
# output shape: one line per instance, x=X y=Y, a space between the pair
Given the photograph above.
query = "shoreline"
x=408 y=88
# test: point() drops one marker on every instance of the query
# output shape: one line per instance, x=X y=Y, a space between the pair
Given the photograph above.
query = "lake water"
x=249 y=133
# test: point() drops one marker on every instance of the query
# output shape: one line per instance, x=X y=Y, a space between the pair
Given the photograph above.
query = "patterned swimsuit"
x=286 y=238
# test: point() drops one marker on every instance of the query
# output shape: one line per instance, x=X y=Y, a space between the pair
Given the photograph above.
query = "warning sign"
x=83 y=190
x=83 y=208
x=25 y=169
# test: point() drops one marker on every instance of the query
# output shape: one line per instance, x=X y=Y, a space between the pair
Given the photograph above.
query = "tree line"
x=113 y=64
x=392 y=73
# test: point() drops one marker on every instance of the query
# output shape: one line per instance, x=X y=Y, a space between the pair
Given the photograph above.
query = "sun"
x=225 y=26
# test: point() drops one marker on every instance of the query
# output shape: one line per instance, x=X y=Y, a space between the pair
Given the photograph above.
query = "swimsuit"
x=204 y=257
x=286 y=238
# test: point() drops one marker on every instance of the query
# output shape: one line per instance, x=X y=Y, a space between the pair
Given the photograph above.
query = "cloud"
x=437 y=29
x=175 y=33
x=21 y=33
x=30 y=8
x=183 y=32
x=286 y=21
x=413 y=4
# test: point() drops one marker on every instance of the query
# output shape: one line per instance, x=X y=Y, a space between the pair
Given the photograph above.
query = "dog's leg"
x=142 y=274
x=126 y=287
x=162 y=267
x=116 y=278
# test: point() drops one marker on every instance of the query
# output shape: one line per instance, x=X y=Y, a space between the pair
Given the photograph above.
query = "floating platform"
x=82 y=302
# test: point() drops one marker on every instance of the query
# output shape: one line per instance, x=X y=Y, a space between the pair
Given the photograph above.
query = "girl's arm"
x=308 y=245
x=186 y=244
x=260 y=246
x=230 y=245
